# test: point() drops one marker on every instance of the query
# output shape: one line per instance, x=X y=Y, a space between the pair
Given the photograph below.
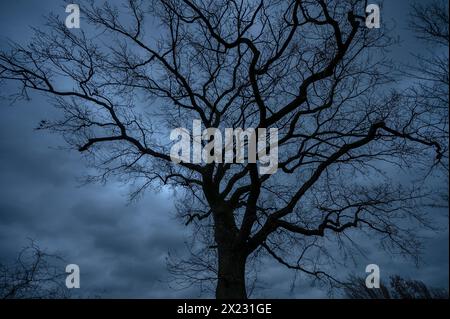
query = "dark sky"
x=120 y=246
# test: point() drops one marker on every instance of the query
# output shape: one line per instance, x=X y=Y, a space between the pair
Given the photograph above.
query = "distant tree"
x=34 y=275
x=430 y=72
x=430 y=21
x=398 y=288
x=310 y=68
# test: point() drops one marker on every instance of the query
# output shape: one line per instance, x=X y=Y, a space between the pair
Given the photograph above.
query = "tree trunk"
x=231 y=275
x=231 y=255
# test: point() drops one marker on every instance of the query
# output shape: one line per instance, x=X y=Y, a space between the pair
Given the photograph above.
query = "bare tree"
x=430 y=21
x=398 y=288
x=34 y=275
x=429 y=94
x=309 y=68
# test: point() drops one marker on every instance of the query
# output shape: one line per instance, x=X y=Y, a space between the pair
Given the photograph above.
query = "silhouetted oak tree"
x=310 y=68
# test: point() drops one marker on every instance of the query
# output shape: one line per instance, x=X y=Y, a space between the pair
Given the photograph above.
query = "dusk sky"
x=122 y=246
